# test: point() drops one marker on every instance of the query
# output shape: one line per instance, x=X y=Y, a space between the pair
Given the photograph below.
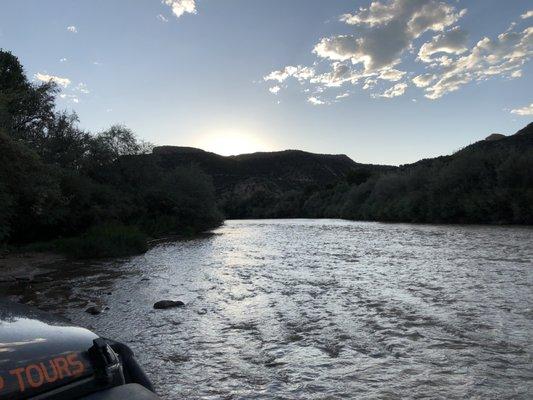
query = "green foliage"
x=104 y=241
x=57 y=180
x=486 y=183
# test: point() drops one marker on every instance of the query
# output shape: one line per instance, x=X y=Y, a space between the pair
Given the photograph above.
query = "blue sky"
x=389 y=83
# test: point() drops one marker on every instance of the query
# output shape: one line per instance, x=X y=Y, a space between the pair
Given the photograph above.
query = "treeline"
x=489 y=182
x=59 y=181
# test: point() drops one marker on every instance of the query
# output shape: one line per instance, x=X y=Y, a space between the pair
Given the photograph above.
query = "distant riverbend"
x=316 y=309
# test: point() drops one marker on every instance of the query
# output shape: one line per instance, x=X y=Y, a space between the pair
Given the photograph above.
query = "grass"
x=102 y=241
x=105 y=241
x=109 y=240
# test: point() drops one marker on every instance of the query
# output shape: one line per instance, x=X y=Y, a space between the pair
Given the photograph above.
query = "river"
x=318 y=309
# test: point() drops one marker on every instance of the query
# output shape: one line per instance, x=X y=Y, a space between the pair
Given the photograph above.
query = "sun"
x=230 y=143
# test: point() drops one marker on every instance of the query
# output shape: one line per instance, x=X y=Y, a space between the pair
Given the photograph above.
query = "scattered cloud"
x=71 y=97
x=342 y=96
x=162 y=18
x=51 y=78
x=395 y=91
x=523 y=111
x=452 y=42
x=391 y=74
x=274 y=89
x=63 y=59
x=502 y=56
x=424 y=80
x=384 y=31
x=72 y=29
x=418 y=42
x=70 y=92
x=82 y=88
x=315 y=101
x=527 y=14
x=299 y=72
x=180 y=7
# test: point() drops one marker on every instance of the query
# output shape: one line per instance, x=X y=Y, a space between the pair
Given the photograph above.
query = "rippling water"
x=320 y=309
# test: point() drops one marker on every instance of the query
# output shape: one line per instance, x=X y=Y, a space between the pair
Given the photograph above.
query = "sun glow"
x=229 y=143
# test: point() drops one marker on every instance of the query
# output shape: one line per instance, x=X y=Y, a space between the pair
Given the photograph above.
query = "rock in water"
x=94 y=310
x=166 y=304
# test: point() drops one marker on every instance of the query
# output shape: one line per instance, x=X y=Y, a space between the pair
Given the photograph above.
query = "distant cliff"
x=252 y=185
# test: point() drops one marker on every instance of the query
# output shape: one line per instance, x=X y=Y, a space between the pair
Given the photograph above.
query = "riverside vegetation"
x=104 y=194
x=86 y=194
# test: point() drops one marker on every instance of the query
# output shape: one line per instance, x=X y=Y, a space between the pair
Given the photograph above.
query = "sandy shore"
x=26 y=266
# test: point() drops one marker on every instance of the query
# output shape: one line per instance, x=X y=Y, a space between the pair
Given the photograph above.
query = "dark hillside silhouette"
x=256 y=185
x=490 y=181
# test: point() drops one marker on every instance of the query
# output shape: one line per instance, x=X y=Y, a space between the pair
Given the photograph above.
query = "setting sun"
x=229 y=143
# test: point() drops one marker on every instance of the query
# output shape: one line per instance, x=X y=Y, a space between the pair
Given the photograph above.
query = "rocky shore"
x=28 y=266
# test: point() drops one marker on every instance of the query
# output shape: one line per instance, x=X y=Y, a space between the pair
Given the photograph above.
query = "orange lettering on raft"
x=30 y=375
x=77 y=364
x=62 y=367
x=18 y=373
x=49 y=378
x=37 y=375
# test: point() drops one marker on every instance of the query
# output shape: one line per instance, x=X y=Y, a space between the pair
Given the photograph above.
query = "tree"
x=25 y=109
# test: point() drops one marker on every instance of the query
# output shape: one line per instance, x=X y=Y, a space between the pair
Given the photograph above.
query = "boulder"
x=93 y=310
x=166 y=304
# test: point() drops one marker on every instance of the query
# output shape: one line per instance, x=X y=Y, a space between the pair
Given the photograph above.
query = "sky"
x=385 y=82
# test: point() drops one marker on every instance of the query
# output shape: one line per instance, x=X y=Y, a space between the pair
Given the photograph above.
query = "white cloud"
x=51 y=78
x=527 y=14
x=503 y=56
x=523 y=111
x=180 y=7
x=392 y=75
x=424 y=80
x=315 y=101
x=395 y=91
x=274 y=89
x=452 y=42
x=385 y=31
x=82 y=88
x=392 y=39
x=62 y=59
x=340 y=73
x=299 y=72
x=342 y=96
x=162 y=18
x=71 y=97
x=72 y=29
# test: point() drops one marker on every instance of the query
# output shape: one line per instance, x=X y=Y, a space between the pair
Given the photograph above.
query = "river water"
x=318 y=309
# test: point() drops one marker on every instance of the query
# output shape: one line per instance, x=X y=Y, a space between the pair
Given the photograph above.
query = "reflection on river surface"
x=319 y=309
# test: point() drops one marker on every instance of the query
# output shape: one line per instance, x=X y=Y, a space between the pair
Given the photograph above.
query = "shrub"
x=105 y=241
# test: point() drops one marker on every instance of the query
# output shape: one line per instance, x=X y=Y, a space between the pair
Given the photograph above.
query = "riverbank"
x=34 y=261
x=27 y=266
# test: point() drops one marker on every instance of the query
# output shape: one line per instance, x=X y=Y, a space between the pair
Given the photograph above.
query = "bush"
x=105 y=241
